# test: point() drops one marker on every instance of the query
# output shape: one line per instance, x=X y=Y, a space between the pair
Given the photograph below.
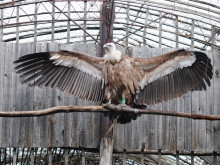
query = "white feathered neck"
x=112 y=54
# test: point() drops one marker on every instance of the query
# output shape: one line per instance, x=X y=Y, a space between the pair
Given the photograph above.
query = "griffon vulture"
x=117 y=78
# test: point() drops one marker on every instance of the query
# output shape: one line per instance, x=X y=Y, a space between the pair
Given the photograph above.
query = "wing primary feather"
x=75 y=85
x=74 y=82
x=170 y=79
x=34 y=70
x=199 y=78
x=30 y=62
x=91 y=89
x=153 y=93
x=32 y=56
x=47 y=69
x=66 y=79
x=51 y=76
x=85 y=89
x=60 y=78
x=78 y=84
x=203 y=75
x=95 y=92
x=29 y=67
x=81 y=85
x=45 y=76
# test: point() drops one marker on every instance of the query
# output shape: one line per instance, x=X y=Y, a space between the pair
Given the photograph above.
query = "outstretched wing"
x=73 y=72
x=171 y=75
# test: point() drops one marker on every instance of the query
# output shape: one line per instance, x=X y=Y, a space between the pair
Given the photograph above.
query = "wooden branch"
x=162 y=112
x=107 y=108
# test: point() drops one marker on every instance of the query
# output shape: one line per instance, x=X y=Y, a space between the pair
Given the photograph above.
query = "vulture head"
x=112 y=54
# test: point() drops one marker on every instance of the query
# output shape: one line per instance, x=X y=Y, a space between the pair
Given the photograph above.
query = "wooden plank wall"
x=81 y=130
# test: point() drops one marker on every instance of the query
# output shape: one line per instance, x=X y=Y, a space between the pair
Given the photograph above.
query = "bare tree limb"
x=107 y=108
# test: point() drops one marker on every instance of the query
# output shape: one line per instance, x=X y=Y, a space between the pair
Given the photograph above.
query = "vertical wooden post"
x=106 y=35
x=145 y=29
x=160 y=31
x=142 y=156
x=66 y=157
x=50 y=157
x=192 y=33
x=177 y=157
x=159 y=157
x=124 y=157
x=32 y=156
x=83 y=158
x=192 y=158
x=177 y=32
x=106 y=27
x=68 y=23
x=14 y=156
x=106 y=147
x=215 y=161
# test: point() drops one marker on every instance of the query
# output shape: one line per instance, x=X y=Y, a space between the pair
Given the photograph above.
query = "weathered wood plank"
x=209 y=111
x=216 y=79
x=37 y=105
x=143 y=119
x=43 y=122
x=6 y=94
x=152 y=120
x=76 y=116
x=29 y=104
x=13 y=97
x=202 y=124
x=188 y=122
x=159 y=119
x=165 y=119
x=2 y=56
x=195 y=107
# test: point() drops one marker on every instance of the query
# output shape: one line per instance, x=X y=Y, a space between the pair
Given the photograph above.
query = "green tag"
x=123 y=101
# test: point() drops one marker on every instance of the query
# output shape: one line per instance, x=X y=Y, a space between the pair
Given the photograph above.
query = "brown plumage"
x=141 y=81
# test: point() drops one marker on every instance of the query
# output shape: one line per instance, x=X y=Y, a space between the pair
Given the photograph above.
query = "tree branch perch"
x=107 y=108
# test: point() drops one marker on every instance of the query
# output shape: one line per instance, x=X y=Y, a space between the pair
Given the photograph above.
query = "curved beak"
x=106 y=47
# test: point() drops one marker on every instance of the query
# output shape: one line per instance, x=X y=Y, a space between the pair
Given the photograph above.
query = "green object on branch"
x=123 y=101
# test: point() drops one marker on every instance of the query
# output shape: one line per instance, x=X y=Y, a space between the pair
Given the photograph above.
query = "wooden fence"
x=81 y=130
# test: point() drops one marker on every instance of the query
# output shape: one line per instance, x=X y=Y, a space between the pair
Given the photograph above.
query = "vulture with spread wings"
x=117 y=78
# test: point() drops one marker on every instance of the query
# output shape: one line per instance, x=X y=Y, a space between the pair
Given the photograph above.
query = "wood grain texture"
x=82 y=129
